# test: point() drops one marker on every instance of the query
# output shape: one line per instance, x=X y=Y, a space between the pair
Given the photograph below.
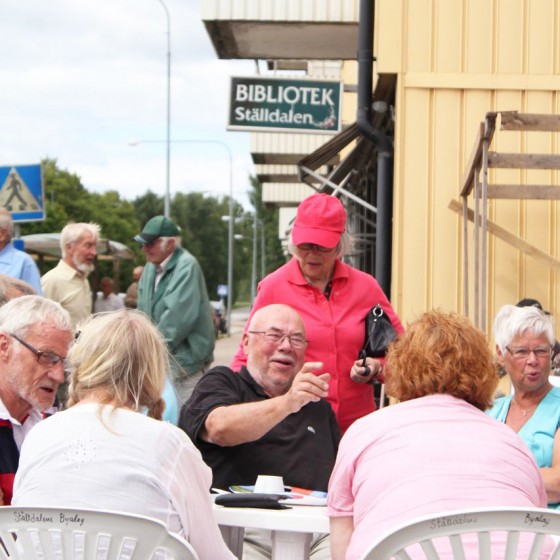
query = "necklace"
x=523 y=410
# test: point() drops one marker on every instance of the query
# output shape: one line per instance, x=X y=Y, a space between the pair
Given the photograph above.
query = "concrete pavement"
x=226 y=346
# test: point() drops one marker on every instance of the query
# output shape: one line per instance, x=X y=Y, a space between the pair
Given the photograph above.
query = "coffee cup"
x=267 y=484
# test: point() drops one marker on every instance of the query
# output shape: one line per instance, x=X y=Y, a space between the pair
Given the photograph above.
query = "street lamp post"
x=263 y=249
x=230 y=212
x=254 y=269
x=254 y=244
x=166 y=200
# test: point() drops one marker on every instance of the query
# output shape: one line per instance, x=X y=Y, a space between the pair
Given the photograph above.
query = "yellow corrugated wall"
x=456 y=60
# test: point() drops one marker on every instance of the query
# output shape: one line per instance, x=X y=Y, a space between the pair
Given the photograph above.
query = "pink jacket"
x=335 y=328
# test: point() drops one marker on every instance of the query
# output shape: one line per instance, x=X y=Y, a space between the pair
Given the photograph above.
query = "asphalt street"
x=226 y=346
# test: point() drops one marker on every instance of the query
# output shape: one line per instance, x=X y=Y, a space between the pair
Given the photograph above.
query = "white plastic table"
x=292 y=529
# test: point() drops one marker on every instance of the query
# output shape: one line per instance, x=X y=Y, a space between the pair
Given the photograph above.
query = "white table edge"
x=301 y=519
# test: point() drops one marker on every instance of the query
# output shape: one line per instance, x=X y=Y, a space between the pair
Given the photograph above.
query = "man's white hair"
x=73 y=232
x=20 y=313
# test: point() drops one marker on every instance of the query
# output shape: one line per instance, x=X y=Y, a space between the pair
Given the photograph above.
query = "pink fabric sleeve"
x=340 y=501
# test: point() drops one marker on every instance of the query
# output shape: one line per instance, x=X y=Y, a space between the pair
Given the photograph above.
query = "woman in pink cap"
x=333 y=299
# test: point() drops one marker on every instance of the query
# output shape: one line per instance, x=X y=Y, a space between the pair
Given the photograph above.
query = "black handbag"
x=379 y=334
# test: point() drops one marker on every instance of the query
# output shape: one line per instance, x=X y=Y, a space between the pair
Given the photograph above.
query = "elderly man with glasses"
x=270 y=418
x=35 y=335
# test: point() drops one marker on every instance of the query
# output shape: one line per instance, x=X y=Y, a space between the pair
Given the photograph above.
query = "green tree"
x=274 y=253
x=204 y=234
x=67 y=200
x=118 y=221
x=147 y=206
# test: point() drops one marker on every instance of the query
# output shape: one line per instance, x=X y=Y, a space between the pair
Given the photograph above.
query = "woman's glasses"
x=523 y=353
x=313 y=247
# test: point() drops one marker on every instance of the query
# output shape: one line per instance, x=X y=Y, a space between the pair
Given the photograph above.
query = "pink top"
x=427 y=455
x=335 y=328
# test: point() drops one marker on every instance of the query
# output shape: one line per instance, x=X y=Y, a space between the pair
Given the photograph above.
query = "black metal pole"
x=383 y=237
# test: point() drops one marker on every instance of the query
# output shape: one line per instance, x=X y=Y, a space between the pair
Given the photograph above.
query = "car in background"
x=219 y=317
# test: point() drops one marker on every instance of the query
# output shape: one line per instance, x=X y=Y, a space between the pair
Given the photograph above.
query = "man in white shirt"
x=35 y=335
x=108 y=300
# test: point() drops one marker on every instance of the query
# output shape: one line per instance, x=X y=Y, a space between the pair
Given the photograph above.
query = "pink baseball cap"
x=320 y=219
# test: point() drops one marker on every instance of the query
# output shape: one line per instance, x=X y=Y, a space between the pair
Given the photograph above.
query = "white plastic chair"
x=46 y=533
x=483 y=526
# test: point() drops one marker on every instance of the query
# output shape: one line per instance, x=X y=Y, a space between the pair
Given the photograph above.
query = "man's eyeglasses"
x=47 y=359
x=313 y=247
x=523 y=353
x=296 y=340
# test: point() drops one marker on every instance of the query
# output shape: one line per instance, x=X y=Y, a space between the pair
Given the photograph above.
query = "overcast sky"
x=80 y=79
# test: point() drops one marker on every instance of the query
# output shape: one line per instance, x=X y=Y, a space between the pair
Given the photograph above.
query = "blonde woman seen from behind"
x=103 y=452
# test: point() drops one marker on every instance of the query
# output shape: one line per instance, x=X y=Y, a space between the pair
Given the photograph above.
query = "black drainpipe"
x=384 y=234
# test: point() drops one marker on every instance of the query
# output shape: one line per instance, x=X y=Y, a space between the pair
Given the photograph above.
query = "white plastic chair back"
x=45 y=533
x=516 y=528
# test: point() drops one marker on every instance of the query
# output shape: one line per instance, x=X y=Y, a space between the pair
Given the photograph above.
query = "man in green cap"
x=172 y=292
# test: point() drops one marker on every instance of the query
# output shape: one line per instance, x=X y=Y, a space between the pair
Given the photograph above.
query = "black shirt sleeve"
x=217 y=387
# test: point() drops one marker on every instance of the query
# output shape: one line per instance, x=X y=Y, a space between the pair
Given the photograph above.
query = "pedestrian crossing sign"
x=22 y=192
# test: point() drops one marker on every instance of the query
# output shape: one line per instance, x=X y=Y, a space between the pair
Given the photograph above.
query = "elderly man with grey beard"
x=67 y=283
x=35 y=335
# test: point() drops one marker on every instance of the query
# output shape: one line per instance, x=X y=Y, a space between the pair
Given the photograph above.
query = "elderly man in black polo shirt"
x=271 y=417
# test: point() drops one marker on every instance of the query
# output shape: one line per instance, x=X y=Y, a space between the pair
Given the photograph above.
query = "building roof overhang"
x=322 y=29
x=263 y=40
